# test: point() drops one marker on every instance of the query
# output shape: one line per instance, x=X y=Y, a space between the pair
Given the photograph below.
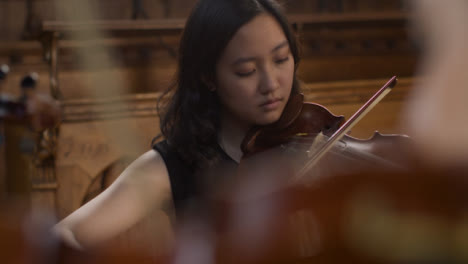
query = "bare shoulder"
x=148 y=173
x=149 y=163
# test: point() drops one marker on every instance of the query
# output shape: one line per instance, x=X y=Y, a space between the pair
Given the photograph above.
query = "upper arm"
x=141 y=188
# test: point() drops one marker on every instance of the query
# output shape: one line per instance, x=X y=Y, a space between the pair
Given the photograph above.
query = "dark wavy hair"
x=191 y=118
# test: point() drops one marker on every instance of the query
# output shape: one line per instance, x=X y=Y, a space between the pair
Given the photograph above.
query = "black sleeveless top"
x=185 y=182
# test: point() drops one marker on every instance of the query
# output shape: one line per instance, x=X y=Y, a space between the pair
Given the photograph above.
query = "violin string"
x=329 y=144
x=340 y=149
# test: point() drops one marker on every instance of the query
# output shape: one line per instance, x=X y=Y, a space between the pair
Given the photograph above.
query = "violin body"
x=306 y=128
x=305 y=119
x=366 y=212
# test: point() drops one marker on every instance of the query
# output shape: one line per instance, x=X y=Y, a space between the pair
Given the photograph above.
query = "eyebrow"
x=247 y=59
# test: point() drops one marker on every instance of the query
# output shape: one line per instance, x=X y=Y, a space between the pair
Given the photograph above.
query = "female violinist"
x=236 y=69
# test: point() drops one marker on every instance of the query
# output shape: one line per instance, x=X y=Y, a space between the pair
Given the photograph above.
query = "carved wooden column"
x=138 y=10
x=51 y=50
x=32 y=23
x=43 y=176
x=19 y=148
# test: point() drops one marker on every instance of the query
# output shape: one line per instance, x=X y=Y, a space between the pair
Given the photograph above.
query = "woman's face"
x=254 y=75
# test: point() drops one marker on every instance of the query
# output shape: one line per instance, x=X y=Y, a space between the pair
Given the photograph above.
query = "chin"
x=268 y=119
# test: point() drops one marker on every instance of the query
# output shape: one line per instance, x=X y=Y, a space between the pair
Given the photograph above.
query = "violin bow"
x=353 y=120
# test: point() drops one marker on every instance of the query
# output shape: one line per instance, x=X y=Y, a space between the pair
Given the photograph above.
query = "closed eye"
x=282 y=60
x=245 y=74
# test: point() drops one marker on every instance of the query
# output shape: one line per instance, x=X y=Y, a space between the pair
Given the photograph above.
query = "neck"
x=230 y=137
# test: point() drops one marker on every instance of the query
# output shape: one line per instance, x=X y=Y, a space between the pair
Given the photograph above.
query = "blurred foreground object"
x=26 y=237
x=378 y=217
x=436 y=116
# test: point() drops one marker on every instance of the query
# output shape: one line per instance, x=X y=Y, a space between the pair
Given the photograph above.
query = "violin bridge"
x=319 y=140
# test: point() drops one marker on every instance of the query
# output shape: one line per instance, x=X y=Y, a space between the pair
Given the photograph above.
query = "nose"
x=269 y=81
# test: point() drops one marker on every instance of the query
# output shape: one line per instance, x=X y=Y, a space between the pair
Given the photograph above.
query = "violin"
x=311 y=132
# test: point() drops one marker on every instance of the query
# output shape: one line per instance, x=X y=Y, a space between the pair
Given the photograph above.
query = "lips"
x=272 y=101
x=271 y=104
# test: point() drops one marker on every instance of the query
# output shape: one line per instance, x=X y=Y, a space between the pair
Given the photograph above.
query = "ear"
x=210 y=84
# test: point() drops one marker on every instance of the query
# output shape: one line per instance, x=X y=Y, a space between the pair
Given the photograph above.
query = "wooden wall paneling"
x=13 y=15
x=342 y=6
x=19 y=149
x=45 y=9
x=373 y=6
x=145 y=63
x=180 y=8
x=135 y=105
x=123 y=9
x=350 y=6
x=155 y=8
x=330 y=6
x=78 y=84
x=376 y=40
x=83 y=10
x=335 y=68
x=119 y=9
x=345 y=52
x=354 y=46
x=85 y=32
x=298 y=6
x=44 y=198
x=19 y=22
